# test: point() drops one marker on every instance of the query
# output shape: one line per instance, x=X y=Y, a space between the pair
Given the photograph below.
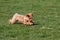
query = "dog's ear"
x=29 y=15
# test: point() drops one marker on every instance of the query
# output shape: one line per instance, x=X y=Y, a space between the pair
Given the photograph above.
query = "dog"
x=25 y=19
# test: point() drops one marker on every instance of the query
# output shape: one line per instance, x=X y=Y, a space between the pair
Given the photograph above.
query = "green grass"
x=46 y=15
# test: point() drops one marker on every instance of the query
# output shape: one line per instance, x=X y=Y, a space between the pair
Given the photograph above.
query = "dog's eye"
x=30 y=21
x=27 y=20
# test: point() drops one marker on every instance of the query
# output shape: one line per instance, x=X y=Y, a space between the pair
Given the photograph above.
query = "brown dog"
x=25 y=19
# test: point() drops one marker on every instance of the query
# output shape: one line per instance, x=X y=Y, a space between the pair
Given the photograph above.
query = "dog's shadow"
x=34 y=24
x=17 y=23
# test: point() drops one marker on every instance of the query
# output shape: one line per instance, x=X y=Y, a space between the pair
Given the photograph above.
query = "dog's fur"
x=25 y=19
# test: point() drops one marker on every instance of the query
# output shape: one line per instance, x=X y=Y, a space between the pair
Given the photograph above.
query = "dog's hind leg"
x=14 y=18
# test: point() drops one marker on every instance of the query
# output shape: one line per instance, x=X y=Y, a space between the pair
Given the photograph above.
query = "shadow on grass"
x=17 y=23
x=28 y=25
x=34 y=23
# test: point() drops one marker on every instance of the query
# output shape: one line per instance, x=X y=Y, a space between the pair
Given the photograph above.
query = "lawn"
x=46 y=16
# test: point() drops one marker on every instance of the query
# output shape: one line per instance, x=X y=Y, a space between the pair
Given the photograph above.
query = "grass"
x=46 y=15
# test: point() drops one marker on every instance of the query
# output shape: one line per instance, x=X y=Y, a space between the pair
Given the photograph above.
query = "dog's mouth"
x=30 y=23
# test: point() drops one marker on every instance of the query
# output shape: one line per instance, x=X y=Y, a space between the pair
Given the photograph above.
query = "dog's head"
x=28 y=19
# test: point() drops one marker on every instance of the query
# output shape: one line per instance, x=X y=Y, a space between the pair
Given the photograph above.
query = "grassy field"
x=46 y=15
